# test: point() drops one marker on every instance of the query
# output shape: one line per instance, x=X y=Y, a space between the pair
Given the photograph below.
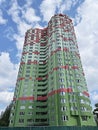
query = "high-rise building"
x=51 y=88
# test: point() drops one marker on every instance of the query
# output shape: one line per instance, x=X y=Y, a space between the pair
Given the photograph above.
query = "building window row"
x=23 y=107
x=28 y=120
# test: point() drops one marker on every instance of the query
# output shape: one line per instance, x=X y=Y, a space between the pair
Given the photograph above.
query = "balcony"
x=43 y=83
x=86 y=113
x=74 y=113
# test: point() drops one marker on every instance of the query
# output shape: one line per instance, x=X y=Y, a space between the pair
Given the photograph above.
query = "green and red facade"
x=51 y=89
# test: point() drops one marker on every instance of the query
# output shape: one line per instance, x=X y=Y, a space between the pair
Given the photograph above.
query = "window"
x=21 y=113
x=64 y=117
x=11 y=121
x=62 y=86
x=60 y=69
x=52 y=78
x=30 y=53
x=63 y=100
x=84 y=118
x=28 y=67
x=29 y=56
x=32 y=90
x=73 y=108
x=22 y=107
x=78 y=81
x=61 y=74
x=61 y=80
x=13 y=107
x=81 y=94
x=30 y=113
x=30 y=107
x=32 y=85
x=26 y=75
x=31 y=101
x=29 y=60
x=36 y=47
x=59 y=59
x=73 y=99
x=12 y=114
x=63 y=108
x=87 y=102
x=79 y=87
x=31 y=47
x=82 y=101
x=52 y=118
x=59 y=44
x=29 y=120
x=60 y=64
x=35 y=57
x=62 y=93
x=21 y=120
x=27 y=71
x=23 y=101
x=30 y=50
x=83 y=109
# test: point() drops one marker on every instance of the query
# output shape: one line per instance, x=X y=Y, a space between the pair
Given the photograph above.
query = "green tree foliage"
x=4 y=117
x=95 y=112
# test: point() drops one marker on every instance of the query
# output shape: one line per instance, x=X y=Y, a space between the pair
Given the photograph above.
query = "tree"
x=95 y=112
x=1 y=115
x=4 y=117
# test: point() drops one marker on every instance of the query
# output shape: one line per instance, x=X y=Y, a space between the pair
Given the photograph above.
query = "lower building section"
x=59 y=109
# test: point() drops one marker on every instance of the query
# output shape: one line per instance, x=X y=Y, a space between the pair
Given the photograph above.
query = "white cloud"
x=24 y=17
x=7 y=100
x=50 y=6
x=19 y=41
x=2 y=20
x=8 y=33
x=87 y=32
x=19 y=14
x=8 y=75
x=30 y=16
x=67 y=4
x=20 y=36
x=8 y=72
x=15 y=11
x=28 y=3
x=95 y=97
x=1 y=1
x=59 y=6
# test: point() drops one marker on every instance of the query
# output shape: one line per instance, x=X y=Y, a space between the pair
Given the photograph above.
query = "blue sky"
x=16 y=16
